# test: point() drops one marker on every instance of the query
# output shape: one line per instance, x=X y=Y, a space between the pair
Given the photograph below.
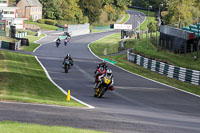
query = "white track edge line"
x=47 y=74
x=39 y=43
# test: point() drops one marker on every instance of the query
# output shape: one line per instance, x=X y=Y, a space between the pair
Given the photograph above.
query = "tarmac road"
x=137 y=104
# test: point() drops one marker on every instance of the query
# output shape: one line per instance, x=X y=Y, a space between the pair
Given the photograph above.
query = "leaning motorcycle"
x=67 y=66
x=103 y=87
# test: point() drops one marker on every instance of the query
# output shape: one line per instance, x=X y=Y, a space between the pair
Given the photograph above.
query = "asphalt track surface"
x=138 y=105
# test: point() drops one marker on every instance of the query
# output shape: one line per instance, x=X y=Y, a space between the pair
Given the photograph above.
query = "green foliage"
x=67 y=10
x=115 y=7
x=51 y=9
x=179 y=11
x=91 y=9
x=50 y=22
x=152 y=27
x=41 y=21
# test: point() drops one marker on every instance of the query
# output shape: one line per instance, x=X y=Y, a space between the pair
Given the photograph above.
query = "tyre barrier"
x=20 y=35
x=10 y=45
x=179 y=73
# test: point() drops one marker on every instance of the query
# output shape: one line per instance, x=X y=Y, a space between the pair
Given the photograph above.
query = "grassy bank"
x=7 y=39
x=106 y=45
x=141 y=47
x=166 y=56
x=126 y=17
x=16 y=127
x=23 y=79
x=43 y=26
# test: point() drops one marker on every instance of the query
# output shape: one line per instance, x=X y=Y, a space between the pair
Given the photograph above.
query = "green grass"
x=7 y=39
x=108 y=45
x=32 y=45
x=43 y=26
x=166 y=56
x=151 y=18
x=23 y=79
x=141 y=47
x=16 y=127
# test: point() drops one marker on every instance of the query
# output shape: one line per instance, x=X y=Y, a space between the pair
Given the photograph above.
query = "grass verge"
x=126 y=17
x=186 y=61
x=23 y=79
x=7 y=39
x=43 y=26
x=16 y=127
x=121 y=60
x=107 y=45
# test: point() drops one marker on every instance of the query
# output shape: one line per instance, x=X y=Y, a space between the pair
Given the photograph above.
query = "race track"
x=137 y=104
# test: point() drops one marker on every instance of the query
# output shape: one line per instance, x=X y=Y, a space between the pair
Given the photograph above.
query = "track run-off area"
x=137 y=105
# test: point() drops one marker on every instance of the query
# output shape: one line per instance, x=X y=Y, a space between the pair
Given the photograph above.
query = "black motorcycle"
x=67 y=66
x=57 y=44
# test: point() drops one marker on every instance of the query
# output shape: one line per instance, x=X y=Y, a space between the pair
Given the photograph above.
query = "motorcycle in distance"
x=57 y=43
x=103 y=87
x=99 y=72
x=66 y=41
x=67 y=66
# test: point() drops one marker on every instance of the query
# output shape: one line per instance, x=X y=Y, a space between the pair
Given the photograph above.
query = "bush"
x=41 y=21
x=50 y=22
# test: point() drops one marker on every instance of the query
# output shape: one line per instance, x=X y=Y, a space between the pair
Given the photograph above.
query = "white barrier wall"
x=79 y=29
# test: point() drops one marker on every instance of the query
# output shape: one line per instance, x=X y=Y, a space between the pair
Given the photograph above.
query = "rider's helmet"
x=68 y=55
x=109 y=73
x=103 y=63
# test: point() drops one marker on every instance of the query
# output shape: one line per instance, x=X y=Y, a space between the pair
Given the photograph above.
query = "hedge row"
x=47 y=21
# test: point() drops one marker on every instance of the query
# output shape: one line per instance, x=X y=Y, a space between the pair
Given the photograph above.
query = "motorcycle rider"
x=58 y=41
x=68 y=37
x=108 y=75
x=68 y=57
x=102 y=64
x=96 y=73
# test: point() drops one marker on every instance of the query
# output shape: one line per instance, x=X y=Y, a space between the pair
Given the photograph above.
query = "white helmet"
x=109 y=73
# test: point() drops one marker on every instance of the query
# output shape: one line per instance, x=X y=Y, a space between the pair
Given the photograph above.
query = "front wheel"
x=57 y=44
x=99 y=92
x=66 y=68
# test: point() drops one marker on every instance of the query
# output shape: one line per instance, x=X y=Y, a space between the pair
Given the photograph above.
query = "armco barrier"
x=179 y=73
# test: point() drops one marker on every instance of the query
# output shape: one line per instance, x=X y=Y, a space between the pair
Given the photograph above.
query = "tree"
x=91 y=9
x=179 y=11
x=72 y=12
x=51 y=9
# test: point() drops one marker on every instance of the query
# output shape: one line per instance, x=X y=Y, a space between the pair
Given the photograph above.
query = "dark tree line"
x=82 y=11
